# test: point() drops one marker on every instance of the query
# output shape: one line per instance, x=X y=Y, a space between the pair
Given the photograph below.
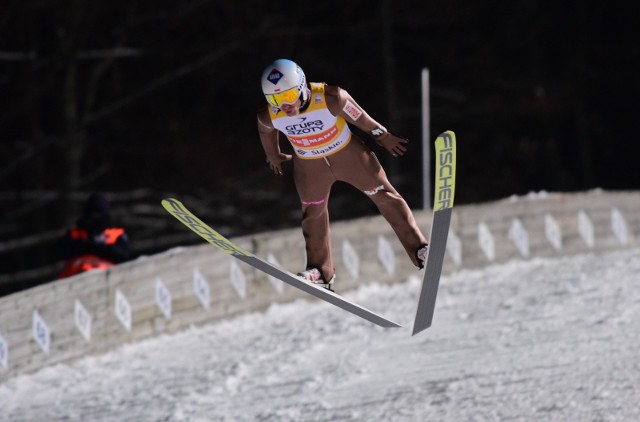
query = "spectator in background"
x=93 y=243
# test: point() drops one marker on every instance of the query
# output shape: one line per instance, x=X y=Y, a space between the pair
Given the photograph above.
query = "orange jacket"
x=89 y=250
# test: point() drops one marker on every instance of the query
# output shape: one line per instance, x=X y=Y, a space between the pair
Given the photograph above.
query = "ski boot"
x=421 y=254
x=314 y=276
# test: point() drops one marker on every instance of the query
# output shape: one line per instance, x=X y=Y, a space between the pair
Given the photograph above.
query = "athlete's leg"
x=359 y=166
x=313 y=180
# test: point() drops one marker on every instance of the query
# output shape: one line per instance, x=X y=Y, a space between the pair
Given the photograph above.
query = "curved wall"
x=95 y=312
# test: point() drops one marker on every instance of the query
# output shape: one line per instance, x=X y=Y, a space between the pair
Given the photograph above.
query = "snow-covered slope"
x=545 y=339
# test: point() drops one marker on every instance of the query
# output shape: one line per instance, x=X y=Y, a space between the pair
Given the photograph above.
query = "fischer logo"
x=305 y=127
x=181 y=213
x=445 y=175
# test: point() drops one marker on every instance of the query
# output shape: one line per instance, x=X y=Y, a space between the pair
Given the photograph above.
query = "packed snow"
x=538 y=340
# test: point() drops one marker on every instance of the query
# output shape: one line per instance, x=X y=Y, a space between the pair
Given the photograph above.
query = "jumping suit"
x=325 y=152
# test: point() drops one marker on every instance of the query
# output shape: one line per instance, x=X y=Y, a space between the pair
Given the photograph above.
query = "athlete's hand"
x=393 y=143
x=275 y=162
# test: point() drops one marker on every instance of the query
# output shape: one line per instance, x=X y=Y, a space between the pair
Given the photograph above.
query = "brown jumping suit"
x=355 y=164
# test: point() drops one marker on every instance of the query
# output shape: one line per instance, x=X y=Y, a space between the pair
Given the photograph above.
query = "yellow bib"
x=316 y=132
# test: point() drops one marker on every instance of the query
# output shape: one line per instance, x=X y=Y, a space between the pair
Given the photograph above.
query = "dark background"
x=144 y=99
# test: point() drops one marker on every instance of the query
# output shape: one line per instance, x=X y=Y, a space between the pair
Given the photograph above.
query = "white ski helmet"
x=283 y=82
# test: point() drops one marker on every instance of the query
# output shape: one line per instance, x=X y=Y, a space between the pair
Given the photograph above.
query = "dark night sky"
x=542 y=96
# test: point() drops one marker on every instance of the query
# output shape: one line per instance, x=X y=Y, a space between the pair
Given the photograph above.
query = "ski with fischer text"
x=445 y=182
x=179 y=211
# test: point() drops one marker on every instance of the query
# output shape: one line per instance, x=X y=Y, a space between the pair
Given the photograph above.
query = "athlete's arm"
x=269 y=139
x=341 y=103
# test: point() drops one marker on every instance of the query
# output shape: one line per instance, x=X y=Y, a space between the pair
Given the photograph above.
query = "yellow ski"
x=179 y=211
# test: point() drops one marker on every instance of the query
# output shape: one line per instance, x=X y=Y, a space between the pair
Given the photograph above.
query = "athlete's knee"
x=374 y=191
x=318 y=202
x=383 y=193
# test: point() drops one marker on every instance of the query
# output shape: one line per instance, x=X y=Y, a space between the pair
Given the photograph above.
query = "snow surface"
x=538 y=340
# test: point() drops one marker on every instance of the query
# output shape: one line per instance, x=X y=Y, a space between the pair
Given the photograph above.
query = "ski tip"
x=172 y=204
x=448 y=134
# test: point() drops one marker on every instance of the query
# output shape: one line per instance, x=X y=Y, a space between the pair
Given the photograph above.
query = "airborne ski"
x=180 y=212
x=445 y=182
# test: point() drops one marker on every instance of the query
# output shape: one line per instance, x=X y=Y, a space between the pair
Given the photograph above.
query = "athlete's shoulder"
x=333 y=94
x=263 y=114
x=332 y=90
x=264 y=117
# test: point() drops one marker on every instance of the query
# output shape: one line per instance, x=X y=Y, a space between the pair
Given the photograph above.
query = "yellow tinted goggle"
x=289 y=96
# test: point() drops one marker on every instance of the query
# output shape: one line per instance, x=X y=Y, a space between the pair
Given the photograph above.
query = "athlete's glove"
x=393 y=143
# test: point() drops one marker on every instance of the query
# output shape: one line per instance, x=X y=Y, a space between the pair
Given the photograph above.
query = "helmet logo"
x=275 y=76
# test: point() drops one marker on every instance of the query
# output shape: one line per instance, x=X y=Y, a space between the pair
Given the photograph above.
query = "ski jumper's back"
x=315 y=132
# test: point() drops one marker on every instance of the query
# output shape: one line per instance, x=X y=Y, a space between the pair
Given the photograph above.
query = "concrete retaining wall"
x=95 y=312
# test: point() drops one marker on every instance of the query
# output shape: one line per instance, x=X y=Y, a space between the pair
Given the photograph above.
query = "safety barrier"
x=95 y=312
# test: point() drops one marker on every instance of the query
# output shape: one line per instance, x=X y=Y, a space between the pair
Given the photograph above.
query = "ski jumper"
x=325 y=152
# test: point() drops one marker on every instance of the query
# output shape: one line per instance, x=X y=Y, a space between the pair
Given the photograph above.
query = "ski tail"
x=444 y=194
